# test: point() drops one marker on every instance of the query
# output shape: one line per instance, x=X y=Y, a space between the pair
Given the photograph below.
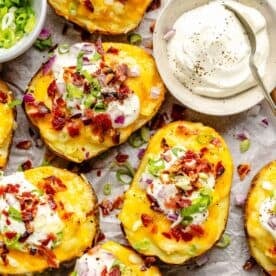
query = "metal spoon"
x=252 y=64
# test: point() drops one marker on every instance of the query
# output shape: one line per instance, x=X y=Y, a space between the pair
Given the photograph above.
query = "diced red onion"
x=169 y=34
x=47 y=67
x=155 y=92
x=120 y=120
x=172 y=217
x=44 y=34
x=202 y=260
x=264 y=122
x=86 y=61
x=149 y=181
x=242 y=135
x=28 y=98
x=133 y=72
x=272 y=222
x=240 y=200
x=141 y=153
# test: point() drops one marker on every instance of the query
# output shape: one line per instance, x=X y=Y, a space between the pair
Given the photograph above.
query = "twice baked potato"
x=90 y=97
x=177 y=206
x=260 y=218
x=102 y=16
x=111 y=258
x=43 y=222
x=7 y=121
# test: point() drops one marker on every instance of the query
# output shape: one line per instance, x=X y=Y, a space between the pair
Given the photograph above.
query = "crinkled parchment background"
x=227 y=261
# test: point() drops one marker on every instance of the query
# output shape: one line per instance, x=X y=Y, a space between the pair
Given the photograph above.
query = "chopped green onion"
x=192 y=250
x=135 y=140
x=14 y=213
x=74 y=273
x=155 y=166
x=107 y=189
x=145 y=134
x=58 y=240
x=45 y=163
x=43 y=44
x=100 y=106
x=135 y=39
x=224 y=241
x=87 y=75
x=124 y=176
x=142 y=245
x=90 y=99
x=38 y=192
x=244 y=145
x=96 y=57
x=63 y=49
x=14 y=103
x=73 y=92
x=80 y=61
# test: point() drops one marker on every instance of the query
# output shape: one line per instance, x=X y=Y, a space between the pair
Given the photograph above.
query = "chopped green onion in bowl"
x=17 y=19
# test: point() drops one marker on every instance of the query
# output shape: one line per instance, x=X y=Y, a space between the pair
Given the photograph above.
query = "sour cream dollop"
x=210 y=50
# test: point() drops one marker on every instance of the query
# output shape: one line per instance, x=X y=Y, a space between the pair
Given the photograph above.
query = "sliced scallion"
x=244 y=145
x=63 y=49
x=107 y=189
x=135 y=39
x=224 y=241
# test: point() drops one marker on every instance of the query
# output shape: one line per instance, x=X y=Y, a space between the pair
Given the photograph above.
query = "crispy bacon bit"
x=113 y=50
x=27 y=165
x=102 y=122
x=164 y=145
x=216 y=142
x=10 y=235
x=121 y=72
x=107 y=206
x=59 y=118
x=243 y=170
x=53 y=185
x=104 y=272
x=11 y=189
x=123 y=92
x=38 y=110
x=3 y=97
x=88 y=4
x=115 y=271
x=73 y=128
x=116 y=137
x=219 y=169
x=121 y=158
x=155 y=4
x=178 y=202
x=146 y=220
x=49 y=255
x=178 y=233
x=52 y=89
x=50 y=237
x=77 y=79
x=178 y=112
x=203 y=151
x=249 y=264
x=99 y=173
x=26 y=144
x=99 y=46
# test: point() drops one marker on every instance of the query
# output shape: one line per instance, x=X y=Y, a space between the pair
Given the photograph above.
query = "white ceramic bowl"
x=40 y=8
x=212 y=106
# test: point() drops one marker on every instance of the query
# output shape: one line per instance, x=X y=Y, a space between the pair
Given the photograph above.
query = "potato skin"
x=7 y=121
x=125 y=255
x=168 y=250
x=104 y=19
x=80 y=228
x=259 y=240
x=71 y=148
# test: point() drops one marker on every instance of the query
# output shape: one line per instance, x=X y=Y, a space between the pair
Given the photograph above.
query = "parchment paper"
x=227 y=261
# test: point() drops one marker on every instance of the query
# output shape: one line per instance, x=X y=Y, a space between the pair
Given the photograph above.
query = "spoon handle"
x=266 y=93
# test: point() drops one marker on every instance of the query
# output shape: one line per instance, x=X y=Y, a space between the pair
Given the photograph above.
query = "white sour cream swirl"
x=209 y=52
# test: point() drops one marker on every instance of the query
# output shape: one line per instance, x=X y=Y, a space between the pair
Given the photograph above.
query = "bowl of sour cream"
x=202 y=52
x=20 y=25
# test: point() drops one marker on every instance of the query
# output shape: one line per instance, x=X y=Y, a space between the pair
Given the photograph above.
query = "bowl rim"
x=210 y=106
x=22 y=46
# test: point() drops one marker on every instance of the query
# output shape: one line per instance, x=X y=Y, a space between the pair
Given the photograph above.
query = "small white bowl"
x=40 y=8
x=212 y=106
